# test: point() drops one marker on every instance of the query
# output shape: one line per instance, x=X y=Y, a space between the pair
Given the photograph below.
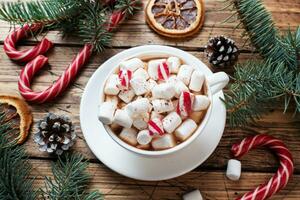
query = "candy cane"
x=29 y=54
x=285 y=170
x=62 y=82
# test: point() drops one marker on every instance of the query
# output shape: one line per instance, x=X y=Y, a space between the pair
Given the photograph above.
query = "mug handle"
x=217 y=81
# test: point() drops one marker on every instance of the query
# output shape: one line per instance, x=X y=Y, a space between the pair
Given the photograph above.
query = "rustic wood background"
x=257 y=166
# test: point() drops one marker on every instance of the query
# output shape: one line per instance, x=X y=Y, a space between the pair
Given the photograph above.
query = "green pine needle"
x=70 y=180
x=45 y=12
x=14 y=168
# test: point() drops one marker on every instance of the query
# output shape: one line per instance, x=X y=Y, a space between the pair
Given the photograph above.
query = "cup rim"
x=176 y=148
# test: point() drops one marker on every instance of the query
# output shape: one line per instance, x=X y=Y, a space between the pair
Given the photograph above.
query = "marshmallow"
x=151 y=84
x=124 y=77
x=144 y=137
x=141 y=122
x=132 y=64
x=171 y=122
x=153 y=68
x=185 y=73
x=201 y=102
x=126 y=95
x=193 y=195
x=165 y=142
x=174 y=64
x=163 y=91
x=111 y=86
x=139 y=85
x=155 y=127
x=197 y=80
x=122 y=118
x=106 y=112
x=139 y=106
x=233 y=171
x=179 y=85
x=161 y=105
x=185 y=130
x=163 y=71
x=197 y=116
x=128 y=135
x=184 y=106
x=140 y=72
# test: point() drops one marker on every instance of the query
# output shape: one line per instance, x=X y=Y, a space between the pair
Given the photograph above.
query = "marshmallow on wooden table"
x=153 y=68
x=128 y=135
x=193 y=195
x=233 y=171
x=141 y=121
x=171 y=122
x=201 y=102
x=197 y=80
x=106 y=112
x=122 y=118
x=185 y=130
x=167 y=141
x=111 y=85
x=155 y=127
x=185 y=73
x=163 y=91
x=124 y=77
x=132 y=64
x=184 y=106
x=139 y=85
x=126 y=95
x=144 y=137
x=142 y=73
x=179 y=85
x=139 y=106
x=162 y=105
x=174 y=64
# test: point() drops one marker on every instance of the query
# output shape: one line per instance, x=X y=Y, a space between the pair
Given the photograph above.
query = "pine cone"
x=56 y=134
x=221 y=51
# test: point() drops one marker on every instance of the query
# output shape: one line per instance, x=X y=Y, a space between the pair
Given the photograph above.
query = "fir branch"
x=263 y=33
x=91 y=26
x=70 y=180
x=14 y=168
x=45 y=12
x=128 y=6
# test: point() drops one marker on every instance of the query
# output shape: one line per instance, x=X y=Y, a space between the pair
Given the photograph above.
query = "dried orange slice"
x=17 y=113
x=175 y=18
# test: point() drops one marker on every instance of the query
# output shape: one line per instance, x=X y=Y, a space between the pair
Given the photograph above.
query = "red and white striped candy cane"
x=285 y=170
x=155 y=127
x=185 y=102
x=62 y=82
x=125 y=77
x=28 y=54
x=163 y=71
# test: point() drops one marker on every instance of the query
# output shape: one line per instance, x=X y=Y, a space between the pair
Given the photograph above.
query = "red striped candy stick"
x=28 y=54
x=285 y=170
x=62 y=82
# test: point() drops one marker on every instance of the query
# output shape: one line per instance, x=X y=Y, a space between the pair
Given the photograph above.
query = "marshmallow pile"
x=156 y=104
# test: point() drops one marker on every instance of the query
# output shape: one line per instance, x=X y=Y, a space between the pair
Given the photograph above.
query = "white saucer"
x=134 y=165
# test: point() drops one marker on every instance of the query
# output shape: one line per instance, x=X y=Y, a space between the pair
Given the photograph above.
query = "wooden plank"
x=212 y=184
x=135 y=31
x=282 y=126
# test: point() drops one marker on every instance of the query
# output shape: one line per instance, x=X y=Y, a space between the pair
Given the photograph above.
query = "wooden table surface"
x=258 y=166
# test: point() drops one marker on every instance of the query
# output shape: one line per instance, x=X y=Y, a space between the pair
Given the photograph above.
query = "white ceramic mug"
x=215 y=83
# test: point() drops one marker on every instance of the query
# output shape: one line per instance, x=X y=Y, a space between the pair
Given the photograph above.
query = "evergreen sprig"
x=14 y=168
x=70 y=180
x=256 y=83
x=43 y=12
